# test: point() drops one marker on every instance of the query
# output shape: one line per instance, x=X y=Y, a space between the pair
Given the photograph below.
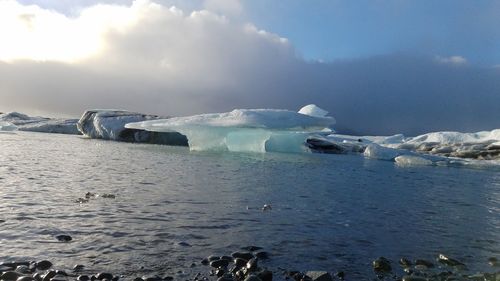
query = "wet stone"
x=413 y=278
x=225 y=278
x=493 y=261
x=381 y=265
x=405 y=262
x=219 y=263
x=262 y=255
x=242 y=255
x=265 y=275
x=83 y=278
x=228 y=258
x=252 y=278
x=424 y=262
x=449 y=261
x=78 y=267
x=43 y=265
x=23 y=269
x=205 y=261
x=25 y=278
x=319 y=275
x=37 y=276
x=152 y=278
x=340 y=275
x=104 y=275
x=64 y=238
x=213 y=258
x=251 y=248
x=49 y=275
x=239 y=262
x=9 y=276
x=252 y=265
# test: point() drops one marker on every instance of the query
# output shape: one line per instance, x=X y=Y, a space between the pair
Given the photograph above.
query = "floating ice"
x=412 y=160
x=110 y=125
x=457 y=137
x=245 y=130
x=6 y=126
x=24 y=122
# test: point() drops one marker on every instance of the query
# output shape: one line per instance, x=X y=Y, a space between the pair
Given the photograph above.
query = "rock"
x=413 y=278
x=37 y=276
x=219 y=263
x=340 y=275
x=110 y=125
x=9 y=276
x=152 y=278
x=262 y=255
x=252 y=265
x=265 y=275
x=449 y=261
x=228 y=258
x=49 y=275
x=25 y=278
x=382 y=265
x=424 y=262
x=239 y=262
x=64 y=238
x=242 y=255
x=225 y=278
x=252 y=278
x=213 y=258
x=83 y=278
x=43 y=265
x=405 y=262
x=319 y=275
x=23 y=269
x=205 y=261
x=251 y=248
x=493 y=261
x=104 y=275
x=267 y=207
x=78 y=267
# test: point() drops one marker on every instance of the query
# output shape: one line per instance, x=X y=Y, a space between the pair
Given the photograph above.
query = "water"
x=174 y=207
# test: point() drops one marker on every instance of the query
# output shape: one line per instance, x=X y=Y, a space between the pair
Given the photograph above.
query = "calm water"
x=174 y=207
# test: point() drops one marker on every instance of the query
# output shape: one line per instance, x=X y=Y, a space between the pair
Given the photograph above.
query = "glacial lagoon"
x=171 y=208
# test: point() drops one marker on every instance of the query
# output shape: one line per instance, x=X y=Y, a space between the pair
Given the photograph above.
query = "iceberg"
x=246 y=130
x=110 y=125
x=23 y=122
x=7 y=126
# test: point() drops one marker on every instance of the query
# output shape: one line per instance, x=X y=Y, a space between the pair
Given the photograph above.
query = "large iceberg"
x=110 y=125
x=23 y=122
x=246 y=130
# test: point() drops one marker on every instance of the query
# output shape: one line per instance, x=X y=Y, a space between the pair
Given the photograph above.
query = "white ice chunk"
x=376 y=151
x=7 y=126
x=457 y=137
x=313 y=110
x=412 y=160
x=243 y=130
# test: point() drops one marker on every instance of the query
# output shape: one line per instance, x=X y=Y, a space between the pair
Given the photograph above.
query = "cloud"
x=157 y=59
x=455 y=60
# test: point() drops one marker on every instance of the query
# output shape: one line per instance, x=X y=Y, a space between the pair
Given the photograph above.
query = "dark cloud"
x=170 y=63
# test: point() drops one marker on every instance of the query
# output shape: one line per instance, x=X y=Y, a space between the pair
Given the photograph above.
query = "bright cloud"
x=154 y=58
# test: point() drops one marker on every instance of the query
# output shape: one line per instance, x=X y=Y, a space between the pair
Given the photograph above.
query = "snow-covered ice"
x=246 y=130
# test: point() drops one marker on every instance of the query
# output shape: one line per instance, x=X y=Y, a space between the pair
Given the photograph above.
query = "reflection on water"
x=173 y=207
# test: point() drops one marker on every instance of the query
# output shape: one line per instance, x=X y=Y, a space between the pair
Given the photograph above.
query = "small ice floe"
x=411 y=160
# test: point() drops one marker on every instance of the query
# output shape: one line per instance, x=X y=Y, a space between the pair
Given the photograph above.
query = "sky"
x=379 y=66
